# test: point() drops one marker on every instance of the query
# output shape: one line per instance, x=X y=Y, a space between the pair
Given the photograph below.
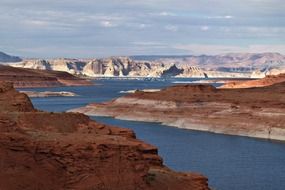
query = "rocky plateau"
x=253 y=112
x=27 y=78
x=233 y=65
x=267 y=81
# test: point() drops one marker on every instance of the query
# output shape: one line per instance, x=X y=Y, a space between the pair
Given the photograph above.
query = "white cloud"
x=142 y=26
x=221 y=17
x=81 y=23
x=205 y=28
x=147 y=43
x=32 y=24
x=228 y=17
x=198 y=49
x=107 y=24
x=36 y=23
x=164 y=13
x=171 y=28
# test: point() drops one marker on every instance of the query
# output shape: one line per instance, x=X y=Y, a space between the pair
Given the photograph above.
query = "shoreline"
x=254 y=112
x=188 y=128
x=181 y=124
x=58 y=150
x=45 y=94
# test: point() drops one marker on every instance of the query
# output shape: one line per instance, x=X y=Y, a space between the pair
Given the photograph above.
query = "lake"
x=230 y=162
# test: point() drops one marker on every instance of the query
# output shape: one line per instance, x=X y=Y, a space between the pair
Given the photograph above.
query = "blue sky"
x=101 y=28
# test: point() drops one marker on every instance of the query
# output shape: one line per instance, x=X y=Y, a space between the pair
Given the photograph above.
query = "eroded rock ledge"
x=47 y=151
x=35 y=94
x=254 y=112
x=267 y=81
x=29 y=78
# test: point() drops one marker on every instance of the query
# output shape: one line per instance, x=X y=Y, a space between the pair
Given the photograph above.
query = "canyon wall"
x=48 y=151
x=243 y=65
x=254 y=112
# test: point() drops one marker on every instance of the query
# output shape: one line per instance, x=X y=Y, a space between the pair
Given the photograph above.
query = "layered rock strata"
x=125 y=67
x=232 y=65
x=254 y=112
x=25 y=78
x=47 y=151
x=267 y=81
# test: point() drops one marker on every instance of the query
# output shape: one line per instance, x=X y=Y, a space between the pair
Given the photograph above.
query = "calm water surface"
x=230 y=162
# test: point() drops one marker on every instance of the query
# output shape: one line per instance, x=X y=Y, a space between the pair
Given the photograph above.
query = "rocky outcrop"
x=121 y=66
x=268 y=72
x=254 y=112
x=22 y=78
x=20 y=102
x=110 y=67
x=34 y=94
x=234 y=65
x=267 y=81
x=5 y=58
x=125 y=67
x=259 y=64
x=231 y=62
x=72 y=66
x=40 y=150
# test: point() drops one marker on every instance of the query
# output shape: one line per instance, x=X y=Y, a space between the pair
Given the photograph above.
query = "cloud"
x=205 y=28
x=107 y=24
x=221 y=17
x=164 y=13
x=104 y=26
x=142 y=26
x=36 y=23
x=198 y=49
x=171 y=28
x=148 y=44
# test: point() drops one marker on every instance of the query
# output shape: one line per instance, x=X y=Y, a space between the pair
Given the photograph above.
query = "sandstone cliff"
x=125 y=67
x=267 y=81
x=259 y=64
x=254 y=112
x=72 y=66
x=234 y=65
x=21 y=77
x=48 y=151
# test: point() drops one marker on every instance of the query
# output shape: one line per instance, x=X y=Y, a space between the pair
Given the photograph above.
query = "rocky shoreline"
x=42 y=150
x=266 y=81
x=32 y=78
x=254 y=112
x=34 y=94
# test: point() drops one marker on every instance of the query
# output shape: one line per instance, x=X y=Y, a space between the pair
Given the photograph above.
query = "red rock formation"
x=47 y=151
x=267 y=81
x=38 y=78
x=254 y=112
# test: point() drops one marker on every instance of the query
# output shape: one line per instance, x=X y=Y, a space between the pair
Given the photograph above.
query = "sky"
x=102 y=28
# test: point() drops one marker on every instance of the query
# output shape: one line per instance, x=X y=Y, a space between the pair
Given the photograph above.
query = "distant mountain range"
x=126 y=67
x=233 y=65
x=222 y=61
x=5 y=58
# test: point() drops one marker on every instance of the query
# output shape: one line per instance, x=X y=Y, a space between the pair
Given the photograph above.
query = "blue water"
x=230 y=162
